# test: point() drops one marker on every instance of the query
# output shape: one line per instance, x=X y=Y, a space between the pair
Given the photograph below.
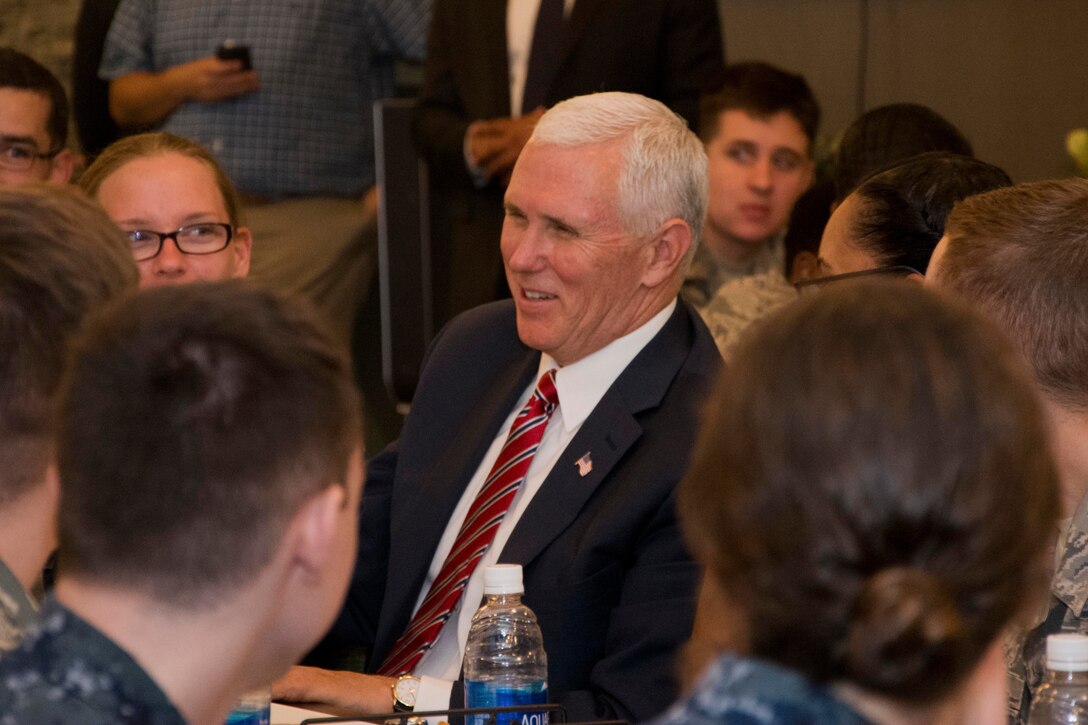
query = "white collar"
x=583 y=383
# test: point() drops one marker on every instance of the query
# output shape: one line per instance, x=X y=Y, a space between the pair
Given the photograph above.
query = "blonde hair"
x=142 y=145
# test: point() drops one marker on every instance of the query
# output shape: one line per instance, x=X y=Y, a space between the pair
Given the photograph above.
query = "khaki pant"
x=322 y=248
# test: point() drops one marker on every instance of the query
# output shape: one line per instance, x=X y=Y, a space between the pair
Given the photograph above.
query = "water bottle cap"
x=503 y=579
x=1067 y=652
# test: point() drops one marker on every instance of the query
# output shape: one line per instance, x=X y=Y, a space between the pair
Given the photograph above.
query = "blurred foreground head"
x=60 y=258
x=196 y=423
x=872 y=490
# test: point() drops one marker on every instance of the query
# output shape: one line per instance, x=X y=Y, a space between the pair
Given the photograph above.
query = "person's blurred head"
x=759 y=125
x=156 y=183
x=806 y=226
x=1021 y=255
x=195 y=423
x=872 y=490
x=603 y=212
x=890 y=133
x=33 y=122
x=60 y=258
x=896 y=217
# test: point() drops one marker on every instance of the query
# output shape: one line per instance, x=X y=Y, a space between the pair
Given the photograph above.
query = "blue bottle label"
x=246 y=716
x=493 y=694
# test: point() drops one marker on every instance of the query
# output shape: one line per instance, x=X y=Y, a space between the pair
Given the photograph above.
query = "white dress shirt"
x=580 y=386
x=520 y=23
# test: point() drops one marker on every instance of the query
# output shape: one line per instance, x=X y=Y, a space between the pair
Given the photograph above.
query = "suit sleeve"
x=693 y=54
x=441 y=120
x=637 y=676
x=358 y=620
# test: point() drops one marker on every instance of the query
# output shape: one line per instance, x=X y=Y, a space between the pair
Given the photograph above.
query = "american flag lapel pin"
x=585 y=464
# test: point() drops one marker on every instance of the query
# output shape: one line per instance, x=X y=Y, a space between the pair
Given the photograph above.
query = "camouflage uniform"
x=16 y=609
x=740 y=302
x=742 y=691
x=1026 y=654
x=66 y=671
x=707 y=274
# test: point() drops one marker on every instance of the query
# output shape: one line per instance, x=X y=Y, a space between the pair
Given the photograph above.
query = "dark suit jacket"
x=665 y=49
x=605 y=568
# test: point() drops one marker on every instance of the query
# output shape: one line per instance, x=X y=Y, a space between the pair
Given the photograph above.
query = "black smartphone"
x=229 y=50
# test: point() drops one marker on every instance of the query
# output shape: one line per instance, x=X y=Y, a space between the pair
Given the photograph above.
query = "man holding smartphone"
x=293 y=131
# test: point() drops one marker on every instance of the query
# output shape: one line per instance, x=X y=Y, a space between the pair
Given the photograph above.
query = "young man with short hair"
x=1020 y=253
x=60 y=258
x=33 y=123
x=211 y=469
x=758 y=126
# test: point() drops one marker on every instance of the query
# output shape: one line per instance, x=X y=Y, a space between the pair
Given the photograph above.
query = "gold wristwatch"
x=404 y=693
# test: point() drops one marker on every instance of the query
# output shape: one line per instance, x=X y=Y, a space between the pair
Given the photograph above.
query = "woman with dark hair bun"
x=871 y=496
x=894 y=219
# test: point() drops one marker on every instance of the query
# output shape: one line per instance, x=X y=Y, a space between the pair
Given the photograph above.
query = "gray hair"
x=664 y=164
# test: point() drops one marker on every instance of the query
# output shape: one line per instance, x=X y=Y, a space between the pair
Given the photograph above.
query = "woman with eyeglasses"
x=175 y=204
x=890 y=224
x=872 y=496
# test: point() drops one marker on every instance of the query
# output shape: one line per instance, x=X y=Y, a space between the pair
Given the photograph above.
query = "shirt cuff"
x=479 y=176
x=433 y=694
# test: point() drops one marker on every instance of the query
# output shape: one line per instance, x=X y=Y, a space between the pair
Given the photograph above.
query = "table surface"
x=287 y=715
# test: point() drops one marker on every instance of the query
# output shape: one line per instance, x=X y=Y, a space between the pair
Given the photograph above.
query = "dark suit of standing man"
x=594 y=277
x=669 y=50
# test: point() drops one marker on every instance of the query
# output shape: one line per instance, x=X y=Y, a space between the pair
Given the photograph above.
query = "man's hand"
x=494 y=145
x=335 y=692
x=211 y=79
x=145 y=99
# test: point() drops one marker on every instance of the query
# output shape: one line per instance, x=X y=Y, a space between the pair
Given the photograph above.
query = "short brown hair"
x=873 y=487
x=130 y=148
x=1021 y=255
x=194 y=421
x=761 y=90
x=60 y=257
x=21 y=72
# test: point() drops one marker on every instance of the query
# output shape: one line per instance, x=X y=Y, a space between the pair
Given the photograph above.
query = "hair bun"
x=905 y=628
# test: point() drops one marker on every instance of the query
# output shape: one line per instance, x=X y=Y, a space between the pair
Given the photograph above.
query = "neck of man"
x=1069 y=442
x=28 y=533
x=202 y=657
x=730 y=250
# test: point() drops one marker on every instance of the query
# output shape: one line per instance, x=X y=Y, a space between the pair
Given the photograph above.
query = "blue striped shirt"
x=321 y=63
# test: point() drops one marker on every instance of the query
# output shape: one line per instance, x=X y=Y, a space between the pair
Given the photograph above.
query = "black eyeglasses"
x=21 y=155
x=899 y=270
x=204 y=238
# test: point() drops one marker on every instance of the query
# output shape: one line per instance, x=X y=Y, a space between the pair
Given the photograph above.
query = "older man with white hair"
x=603 y=214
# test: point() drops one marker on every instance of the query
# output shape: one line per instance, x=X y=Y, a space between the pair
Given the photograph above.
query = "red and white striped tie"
x=478 y=530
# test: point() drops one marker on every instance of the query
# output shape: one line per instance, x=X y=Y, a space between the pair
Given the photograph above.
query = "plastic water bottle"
x=505 y=663
x=252 y=708
x=1063 y=697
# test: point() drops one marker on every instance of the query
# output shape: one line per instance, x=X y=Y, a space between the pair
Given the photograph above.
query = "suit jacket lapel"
x=582 y=17
x=607 y=434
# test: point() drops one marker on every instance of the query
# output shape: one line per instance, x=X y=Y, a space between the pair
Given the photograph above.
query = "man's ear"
x=670 y=248
x=62 y=166
x=805 y=266
x=312 y=530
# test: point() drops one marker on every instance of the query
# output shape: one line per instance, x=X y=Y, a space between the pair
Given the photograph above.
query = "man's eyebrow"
x=560 y=223
x=511 y=208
